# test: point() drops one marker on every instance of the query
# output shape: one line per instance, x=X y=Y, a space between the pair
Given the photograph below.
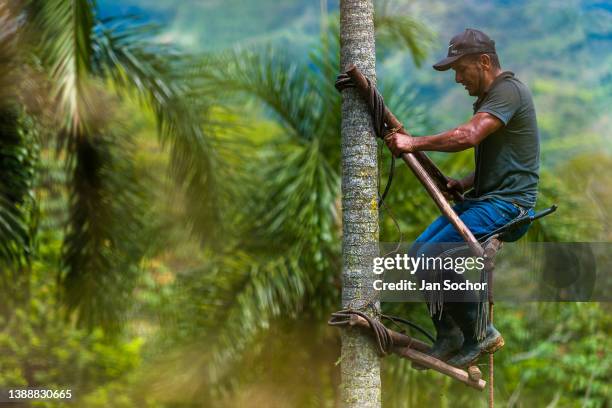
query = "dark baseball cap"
x=470 y=41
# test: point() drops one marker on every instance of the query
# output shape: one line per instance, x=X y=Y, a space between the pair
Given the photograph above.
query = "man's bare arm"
x=461 y=138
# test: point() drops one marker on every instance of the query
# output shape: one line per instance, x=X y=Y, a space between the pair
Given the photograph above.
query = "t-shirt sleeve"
x=502 y=102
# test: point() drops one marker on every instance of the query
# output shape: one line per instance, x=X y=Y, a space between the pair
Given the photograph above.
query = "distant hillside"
x=562 y=50
x=218 y=24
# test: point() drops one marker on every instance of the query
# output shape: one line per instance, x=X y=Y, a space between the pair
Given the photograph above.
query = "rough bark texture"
x=360 y=365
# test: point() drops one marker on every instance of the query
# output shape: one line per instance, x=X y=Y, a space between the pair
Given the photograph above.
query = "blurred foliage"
x=68 y=71
x=170 y=223
x=39 y=348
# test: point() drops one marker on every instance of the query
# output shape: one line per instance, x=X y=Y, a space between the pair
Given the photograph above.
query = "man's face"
x=469 y=73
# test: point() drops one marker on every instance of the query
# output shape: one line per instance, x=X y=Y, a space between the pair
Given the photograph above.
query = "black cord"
x=415 y=326
x=381 y=198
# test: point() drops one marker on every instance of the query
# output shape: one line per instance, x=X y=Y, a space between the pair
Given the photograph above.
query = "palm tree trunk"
x=360 y=366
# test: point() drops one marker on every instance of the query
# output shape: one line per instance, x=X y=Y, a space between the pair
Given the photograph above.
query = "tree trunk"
x=360 y=365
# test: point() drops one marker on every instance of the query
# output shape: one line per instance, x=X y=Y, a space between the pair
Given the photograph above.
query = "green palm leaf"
x=124 y=53
x=18 y=159
x=105 y=236
x=248 y=294
x=65 y=29
x=270 y=78
x=397 y=31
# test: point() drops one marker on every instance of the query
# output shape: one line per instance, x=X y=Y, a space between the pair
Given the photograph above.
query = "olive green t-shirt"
x=508 y=160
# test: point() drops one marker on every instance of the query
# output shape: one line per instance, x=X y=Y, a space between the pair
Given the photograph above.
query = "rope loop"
x=382 y=335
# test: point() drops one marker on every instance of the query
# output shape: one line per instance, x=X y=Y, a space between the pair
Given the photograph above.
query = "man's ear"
x=485 y=61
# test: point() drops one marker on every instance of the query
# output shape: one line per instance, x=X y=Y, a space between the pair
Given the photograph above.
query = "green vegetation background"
x=176 y=242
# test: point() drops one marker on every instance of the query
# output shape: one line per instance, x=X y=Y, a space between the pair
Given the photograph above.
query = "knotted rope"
x=376 y=104
x=382 y=336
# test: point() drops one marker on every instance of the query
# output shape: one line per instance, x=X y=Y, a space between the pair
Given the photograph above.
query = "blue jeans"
x=481 y=217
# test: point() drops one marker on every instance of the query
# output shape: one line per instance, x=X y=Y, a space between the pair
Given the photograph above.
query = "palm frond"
x=323 y=67
x=400 y=31
x=65 y=30
x=14 y=237
x=18 y=157
x=250 y=295
x=303 y=211
x=127 y=55
x=269 y=77
x=296 y=171
x=106 y=232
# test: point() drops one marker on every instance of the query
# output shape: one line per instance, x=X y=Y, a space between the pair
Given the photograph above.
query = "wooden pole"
x=442 y=204
x=440 y=366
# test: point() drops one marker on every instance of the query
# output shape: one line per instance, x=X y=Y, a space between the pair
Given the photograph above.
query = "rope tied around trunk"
x=376 y=105
x=382 y=336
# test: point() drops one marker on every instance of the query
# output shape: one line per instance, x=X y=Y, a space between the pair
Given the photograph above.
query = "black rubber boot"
x=466 y=315
x=449 y=339
x=471 y=351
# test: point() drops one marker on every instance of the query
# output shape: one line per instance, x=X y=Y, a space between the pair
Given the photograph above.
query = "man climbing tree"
x=360 y=365
x=504 y=134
